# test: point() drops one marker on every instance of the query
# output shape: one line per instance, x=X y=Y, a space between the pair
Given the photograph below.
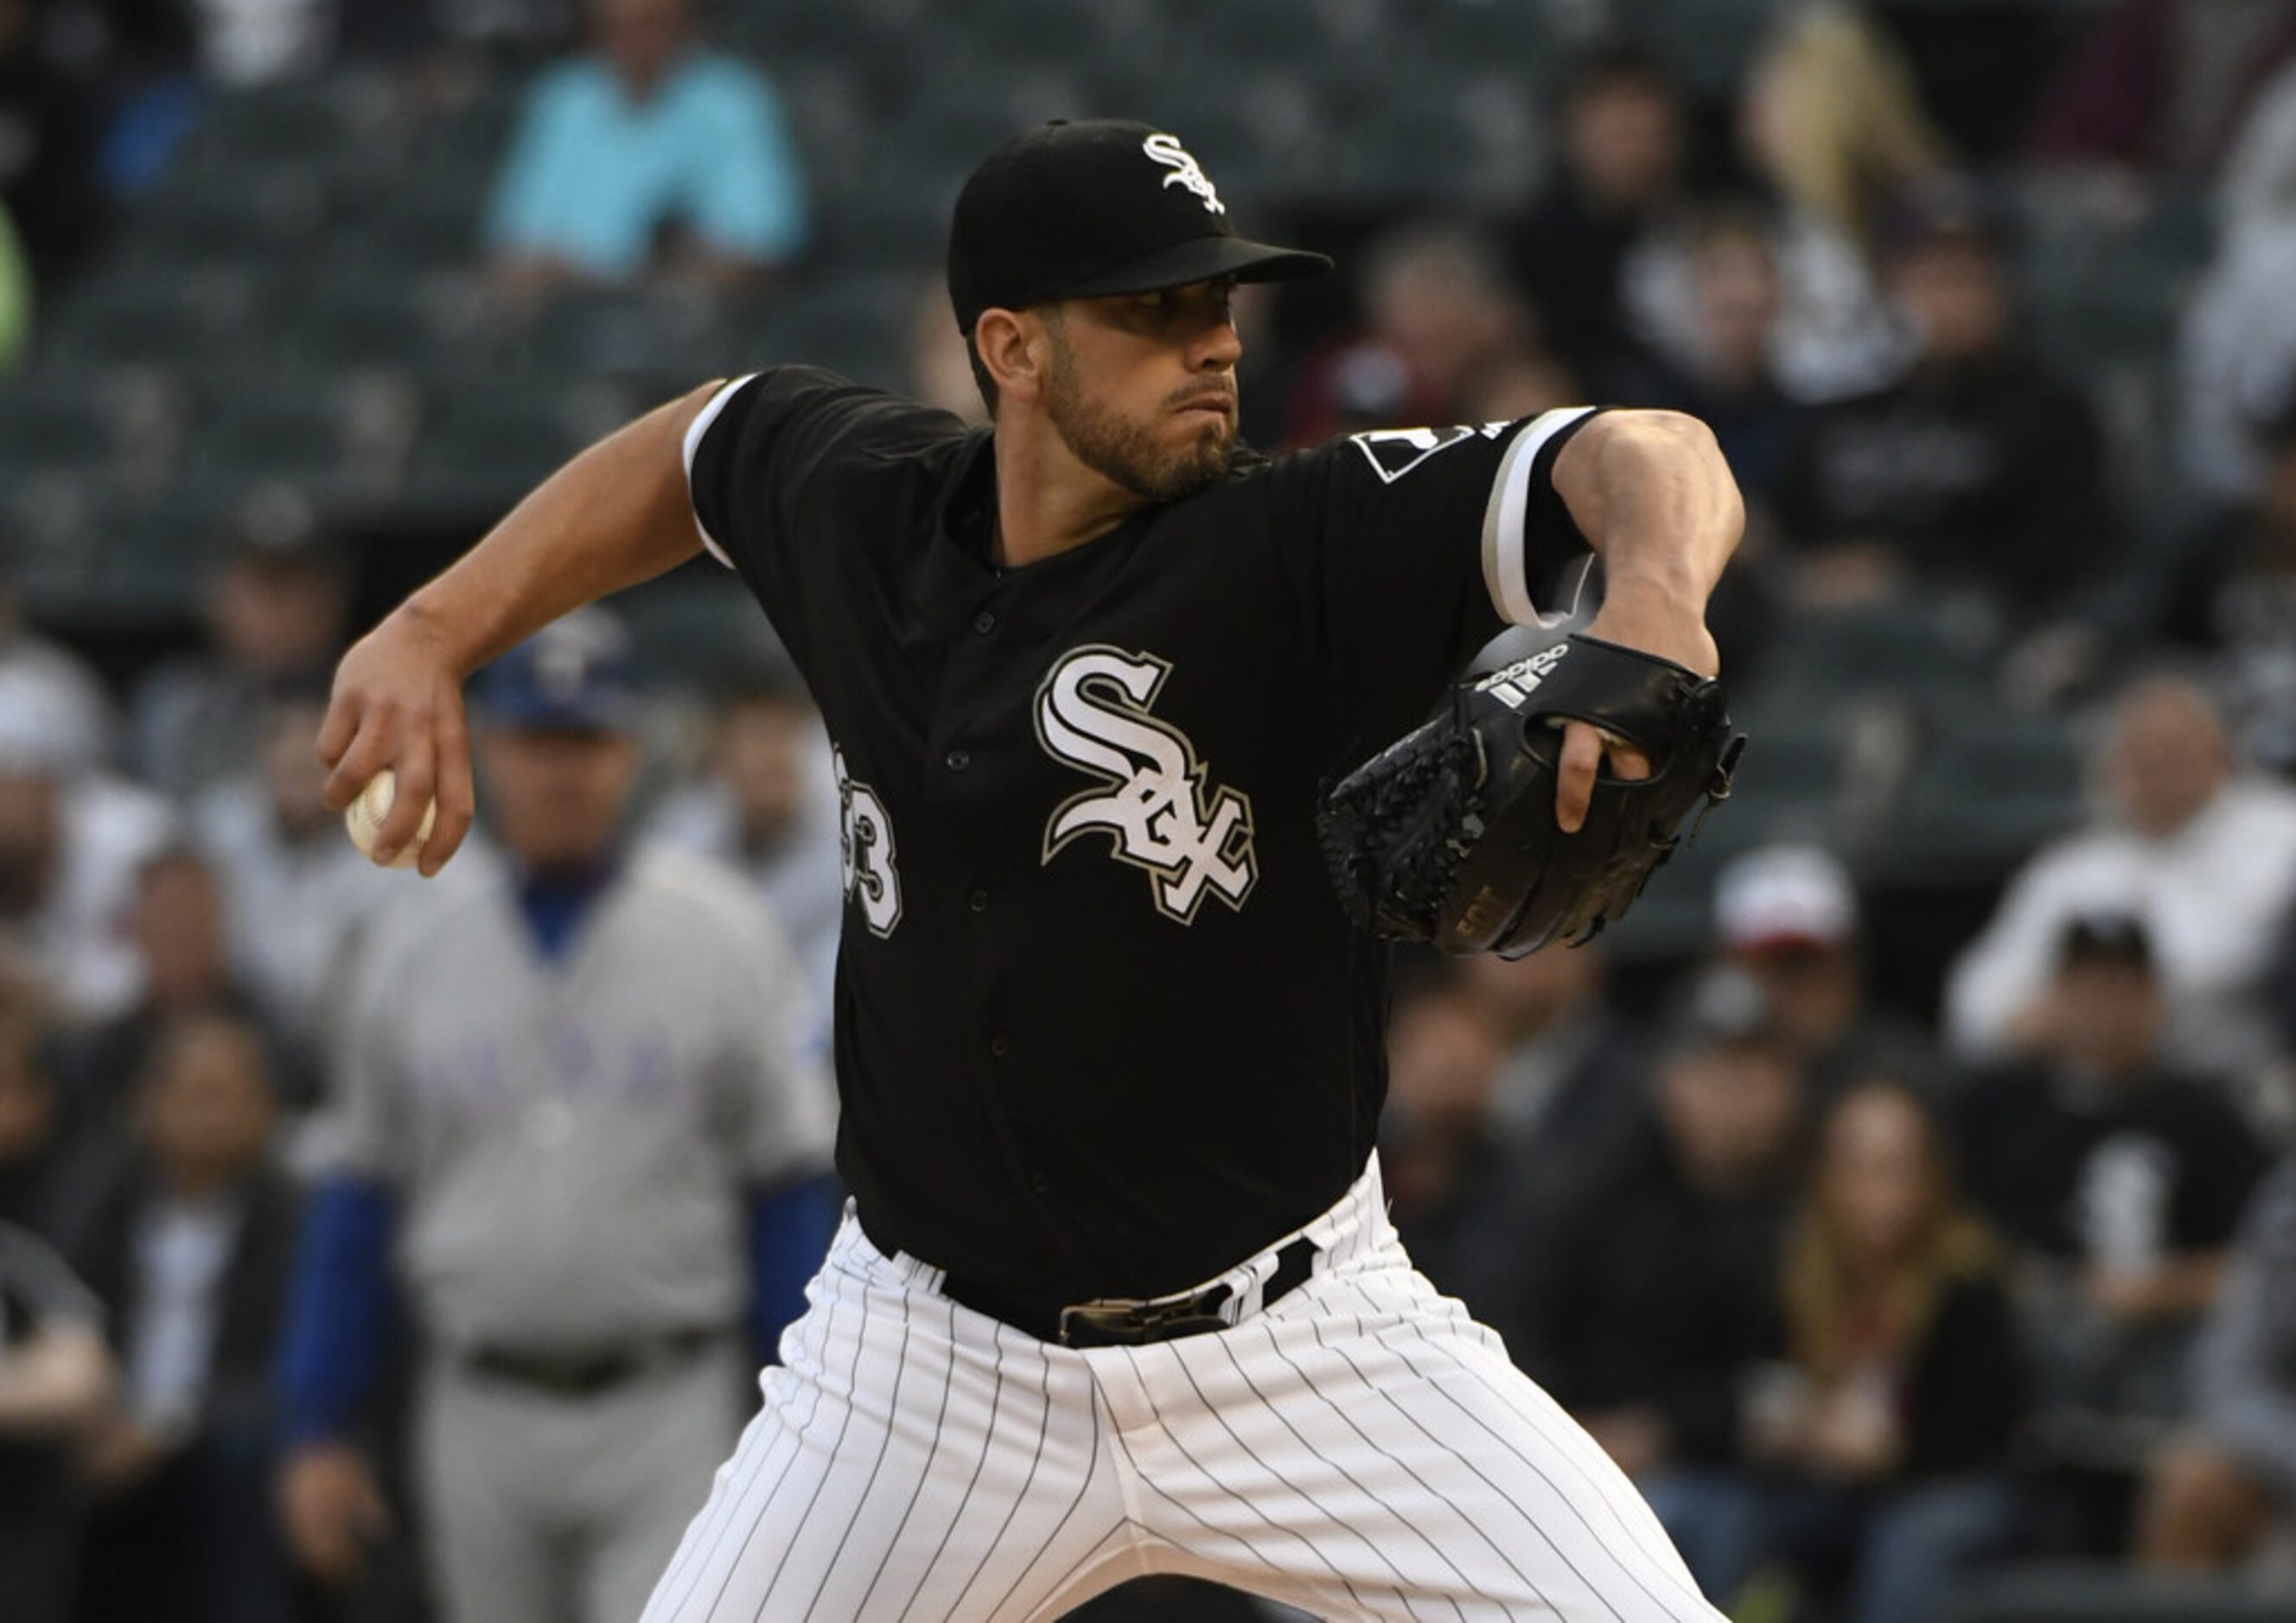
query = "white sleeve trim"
x=693 y=433
x=1507 y=519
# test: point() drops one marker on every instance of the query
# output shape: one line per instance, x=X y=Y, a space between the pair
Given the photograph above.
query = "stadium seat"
x=288 y=124
x=1987 y=787
x=1286 y=33
x=134 y=313
x=609 y=333
x=246 y=437
x=1709 y=42
x=55 y=424
x=486 y=443
x=79 y=548
x=1924 y=645
x=227 y=219
x=858 y=326
x=1472 y=36
x=2067 y=1594
x=410 y=229
x=347 y=324
x=814 y=27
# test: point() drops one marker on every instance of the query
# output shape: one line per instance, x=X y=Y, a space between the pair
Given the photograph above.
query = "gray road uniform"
x=571 y=1140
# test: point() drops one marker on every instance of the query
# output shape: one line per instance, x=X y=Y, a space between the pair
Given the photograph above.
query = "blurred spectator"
x=769 y=809
x=2237 y=342
x=2215 y=1494
x=1521 y=384
x=2236 y=362
x=295 y=888
x=42 y=676
x=1620 y=177
x=1648 y=1295
x=275 y=612
x=940 y=358
x=1569 y=1084
x=1978 y=470
x=184 y=970
x=15 y=294
x=32 y=1128
x=511 y=25
x=1787 y=916
x=1441 y=1158
x=243 y=43
x=189 y=1249
x=2232 y=596
x=1721 y=365
x=650 y=143
x=1892 y=1426
x=2118 y=1182
x=2202 y=853
x=49 y=129
x=1439 y=315
x=71 y=843
x=1573 y=1071
x=54 y=1378
x=1831 y=120
x=573 y=1123
x=2163 y=85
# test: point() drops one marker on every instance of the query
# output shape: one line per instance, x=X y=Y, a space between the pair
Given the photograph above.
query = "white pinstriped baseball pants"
x=1362 y=1450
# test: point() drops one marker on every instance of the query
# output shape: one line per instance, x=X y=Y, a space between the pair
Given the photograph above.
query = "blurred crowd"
x=1874 y=1278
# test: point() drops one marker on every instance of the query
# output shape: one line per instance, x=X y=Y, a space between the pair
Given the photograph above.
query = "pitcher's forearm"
x=617 y=514
x=1652 y=494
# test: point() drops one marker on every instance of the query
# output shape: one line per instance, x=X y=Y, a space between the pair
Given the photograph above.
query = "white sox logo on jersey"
x=865 y=850
x=1092 y=712
x=1187 y=171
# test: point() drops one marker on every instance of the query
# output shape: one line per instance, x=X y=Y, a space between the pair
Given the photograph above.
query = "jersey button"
x=956 y=760
x=978 y=901
x=985 y=621
x=1038 y=1184
x=1000 y=1045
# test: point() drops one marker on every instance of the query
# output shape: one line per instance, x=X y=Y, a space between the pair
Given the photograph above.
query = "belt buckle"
x=1136 y=1324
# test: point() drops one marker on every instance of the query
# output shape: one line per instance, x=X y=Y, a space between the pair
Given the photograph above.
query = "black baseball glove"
x=1448 y=836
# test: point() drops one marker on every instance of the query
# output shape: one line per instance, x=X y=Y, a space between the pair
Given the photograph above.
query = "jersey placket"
x=977 y=724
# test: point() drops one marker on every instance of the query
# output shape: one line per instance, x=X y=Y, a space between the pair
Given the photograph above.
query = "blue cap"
x=573 y=674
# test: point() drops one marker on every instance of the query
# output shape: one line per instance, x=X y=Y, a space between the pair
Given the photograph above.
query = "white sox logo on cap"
x=1187 y=171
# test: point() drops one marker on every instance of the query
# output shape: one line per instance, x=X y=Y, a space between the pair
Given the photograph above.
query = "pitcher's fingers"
x=1574 y=774
x=457 y=799
x=1626 y=760
x=337 y=731
x=410 y=793
x=370 y=750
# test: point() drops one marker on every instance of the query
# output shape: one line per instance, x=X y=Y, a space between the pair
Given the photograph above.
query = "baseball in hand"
x=363 y=818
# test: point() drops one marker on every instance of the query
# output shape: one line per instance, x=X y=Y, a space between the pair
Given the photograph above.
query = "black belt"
x=1116 y=1323
x=587 y=1374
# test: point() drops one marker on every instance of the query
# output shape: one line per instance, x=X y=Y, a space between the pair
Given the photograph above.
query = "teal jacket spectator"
x=606 y=161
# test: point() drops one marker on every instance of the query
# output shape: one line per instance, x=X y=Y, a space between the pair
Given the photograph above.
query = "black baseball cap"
x=1094 y=208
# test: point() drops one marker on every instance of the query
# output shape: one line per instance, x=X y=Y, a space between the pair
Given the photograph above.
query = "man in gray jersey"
x=571 y=1104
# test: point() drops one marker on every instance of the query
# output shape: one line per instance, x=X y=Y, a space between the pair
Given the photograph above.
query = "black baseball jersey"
x=1101 y=1027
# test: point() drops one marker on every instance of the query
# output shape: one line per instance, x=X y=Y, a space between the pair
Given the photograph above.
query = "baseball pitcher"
x=1116 y=1292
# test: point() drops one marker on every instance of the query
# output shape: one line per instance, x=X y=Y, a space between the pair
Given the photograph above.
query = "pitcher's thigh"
x=1385 y=1460
x=922 y=1464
